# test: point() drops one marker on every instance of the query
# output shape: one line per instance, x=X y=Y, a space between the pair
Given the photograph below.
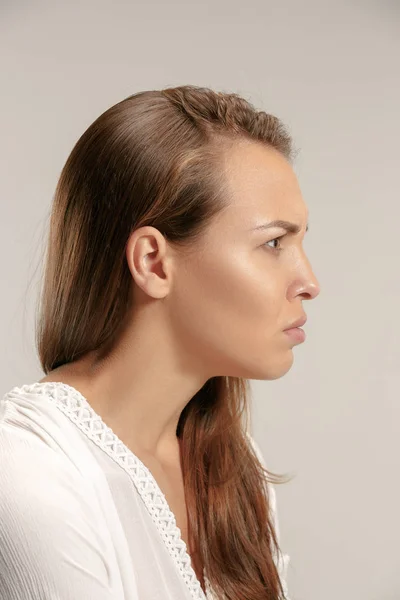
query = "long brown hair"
x=155 y=158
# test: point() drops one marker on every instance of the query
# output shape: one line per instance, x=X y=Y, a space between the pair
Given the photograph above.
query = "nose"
x=311 y=288
x=307 y=285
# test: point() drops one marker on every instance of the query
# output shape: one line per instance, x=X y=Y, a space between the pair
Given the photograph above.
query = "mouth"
x=296 y=334
x=297 y=323
x=294 y=331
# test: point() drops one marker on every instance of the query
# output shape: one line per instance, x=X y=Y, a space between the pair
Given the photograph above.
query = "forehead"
x=261 y=185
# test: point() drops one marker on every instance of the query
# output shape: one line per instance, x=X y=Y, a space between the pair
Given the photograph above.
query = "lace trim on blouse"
x=75 y=406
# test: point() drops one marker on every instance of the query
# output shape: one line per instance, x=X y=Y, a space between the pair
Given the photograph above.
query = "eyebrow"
x=287 y=225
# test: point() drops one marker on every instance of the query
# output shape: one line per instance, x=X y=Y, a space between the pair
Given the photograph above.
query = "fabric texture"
x=81 y=517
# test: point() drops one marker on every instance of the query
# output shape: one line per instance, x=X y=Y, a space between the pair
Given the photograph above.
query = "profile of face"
x=231 y=299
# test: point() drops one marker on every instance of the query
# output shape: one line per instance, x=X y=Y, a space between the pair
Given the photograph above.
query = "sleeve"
x=282 y=560
x=52 y=546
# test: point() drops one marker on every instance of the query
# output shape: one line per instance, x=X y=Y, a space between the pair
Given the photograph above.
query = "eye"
x=278 y=248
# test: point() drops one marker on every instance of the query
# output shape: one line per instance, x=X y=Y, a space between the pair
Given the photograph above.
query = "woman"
x=175 y=272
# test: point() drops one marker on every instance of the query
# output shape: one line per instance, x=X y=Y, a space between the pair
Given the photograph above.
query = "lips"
x=296 y=334
x=298 y=323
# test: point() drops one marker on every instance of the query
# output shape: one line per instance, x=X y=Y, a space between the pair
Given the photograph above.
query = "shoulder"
x=36 y=476
x=38 y=450
x=33 y=422
x=52 y=534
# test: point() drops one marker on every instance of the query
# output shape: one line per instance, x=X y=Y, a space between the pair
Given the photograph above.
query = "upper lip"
x=298 y=323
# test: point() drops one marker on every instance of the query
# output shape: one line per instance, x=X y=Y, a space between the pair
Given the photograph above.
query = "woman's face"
x=239 y=290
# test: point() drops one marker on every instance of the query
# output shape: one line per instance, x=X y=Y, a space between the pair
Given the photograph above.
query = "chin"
x=274 y=370
x=269 y=370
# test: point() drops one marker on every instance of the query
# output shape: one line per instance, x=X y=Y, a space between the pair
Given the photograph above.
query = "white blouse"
x=81 y=517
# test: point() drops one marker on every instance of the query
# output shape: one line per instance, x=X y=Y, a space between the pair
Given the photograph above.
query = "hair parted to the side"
x=155 y=158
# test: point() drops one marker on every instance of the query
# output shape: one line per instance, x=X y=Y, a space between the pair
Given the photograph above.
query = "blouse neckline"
x=77 y=408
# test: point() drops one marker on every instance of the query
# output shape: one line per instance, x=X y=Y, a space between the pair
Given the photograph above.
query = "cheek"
x=235 y=299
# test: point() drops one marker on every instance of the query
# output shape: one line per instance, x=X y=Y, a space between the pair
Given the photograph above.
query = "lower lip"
x=296 y=334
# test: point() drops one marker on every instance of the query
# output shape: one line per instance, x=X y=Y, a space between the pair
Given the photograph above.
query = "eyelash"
x=275 y=250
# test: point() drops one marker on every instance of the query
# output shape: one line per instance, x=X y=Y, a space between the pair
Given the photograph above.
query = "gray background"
x=330 y=70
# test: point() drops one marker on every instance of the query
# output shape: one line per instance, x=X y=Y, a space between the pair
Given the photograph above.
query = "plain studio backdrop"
x=330 y=70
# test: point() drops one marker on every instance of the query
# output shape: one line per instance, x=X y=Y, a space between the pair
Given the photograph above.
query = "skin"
x=219 y=310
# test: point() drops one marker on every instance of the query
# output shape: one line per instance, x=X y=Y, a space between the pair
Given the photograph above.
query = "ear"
x=149 y=262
